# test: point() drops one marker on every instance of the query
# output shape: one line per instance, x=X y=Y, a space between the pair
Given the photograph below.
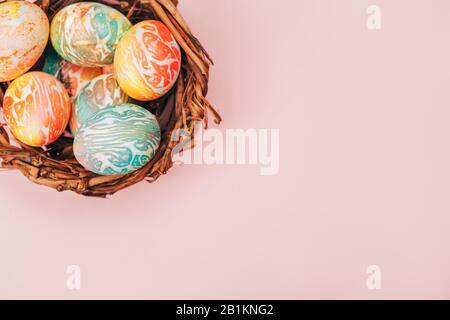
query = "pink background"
x=364 y=171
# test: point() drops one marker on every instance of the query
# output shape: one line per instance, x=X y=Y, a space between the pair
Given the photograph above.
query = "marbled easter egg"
x=147 y=61
x=117 y=140
x=24 y=30
x=87 y=33
x=99 y=93
x=36 y=108
x=108 y=69
x=75 y=77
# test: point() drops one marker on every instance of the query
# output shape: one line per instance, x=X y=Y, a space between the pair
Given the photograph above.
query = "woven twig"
x=55 y=166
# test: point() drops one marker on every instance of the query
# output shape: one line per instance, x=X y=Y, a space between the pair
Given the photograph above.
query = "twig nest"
x=158 y=62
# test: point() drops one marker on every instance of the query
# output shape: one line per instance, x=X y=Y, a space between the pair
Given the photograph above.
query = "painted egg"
x=99 y=93
x=24 y=30
x=52 y=63
x=117 y=140
x=147 y=61
x=75 y=77
x=108 y=69
x=87 y=33
x=36 y=108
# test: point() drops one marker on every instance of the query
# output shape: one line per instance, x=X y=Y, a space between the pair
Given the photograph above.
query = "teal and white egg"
x=101 y=92
x=117 y=140
x=87 y=33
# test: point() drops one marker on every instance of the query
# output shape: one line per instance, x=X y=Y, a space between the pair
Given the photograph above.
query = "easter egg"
x=108 y=69
x=52 y=63
x=117 y=140
x=36 y=108
x=99 y=93
x=147 y=61
x=75 y=77
x=24 y=30
x=87 y=33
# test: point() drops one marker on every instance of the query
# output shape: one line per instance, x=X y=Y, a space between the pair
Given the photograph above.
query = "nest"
x=181 y=109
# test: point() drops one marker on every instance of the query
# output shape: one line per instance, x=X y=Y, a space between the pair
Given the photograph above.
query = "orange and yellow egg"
x=147 y=61
x=37 y=108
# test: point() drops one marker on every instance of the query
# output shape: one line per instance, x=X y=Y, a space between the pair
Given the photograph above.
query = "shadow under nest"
x=181 y=109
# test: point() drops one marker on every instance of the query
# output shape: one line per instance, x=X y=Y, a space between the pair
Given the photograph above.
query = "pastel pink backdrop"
x=364 y=171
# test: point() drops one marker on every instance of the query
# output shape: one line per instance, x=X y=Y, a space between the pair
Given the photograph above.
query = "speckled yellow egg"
x=24 y=30
x=87 y=33
x=147 y=61
x=36 y=108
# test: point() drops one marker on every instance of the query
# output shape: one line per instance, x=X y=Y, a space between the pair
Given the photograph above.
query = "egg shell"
x=117 y=140
x=75 y=77
x=101 y=92
x=52 y=63
x=87 y=33
x=108 y=69
x=36 y=108
x=147 y=62
x=24 y=30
